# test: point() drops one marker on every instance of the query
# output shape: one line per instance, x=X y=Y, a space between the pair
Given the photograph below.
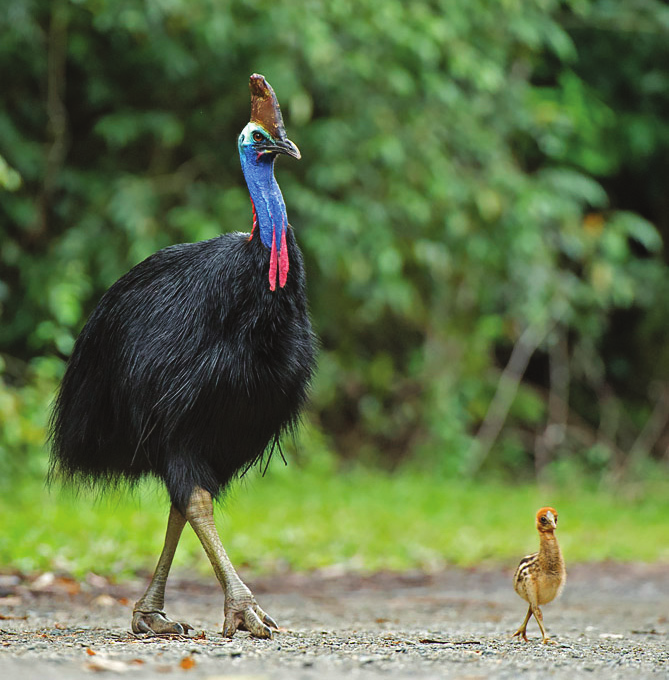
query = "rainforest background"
x=482 y=202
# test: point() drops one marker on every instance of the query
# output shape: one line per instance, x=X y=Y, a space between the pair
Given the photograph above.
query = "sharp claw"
x=158 y=624
x=230 y=625
x=251 y=619
x=266 y=618
x=255 y=626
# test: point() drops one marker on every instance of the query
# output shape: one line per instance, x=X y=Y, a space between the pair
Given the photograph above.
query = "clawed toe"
x=266 y=618
x=250 y=618
x=157 y=623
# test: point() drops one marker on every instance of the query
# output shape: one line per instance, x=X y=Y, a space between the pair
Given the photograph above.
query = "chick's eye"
x=258 y=137
x=543 y=520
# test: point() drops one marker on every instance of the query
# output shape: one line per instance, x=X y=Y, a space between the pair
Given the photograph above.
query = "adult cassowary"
x=191 y=368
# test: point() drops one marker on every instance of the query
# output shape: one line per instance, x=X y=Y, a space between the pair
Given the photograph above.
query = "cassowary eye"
x=258 y=137
x=543 y=520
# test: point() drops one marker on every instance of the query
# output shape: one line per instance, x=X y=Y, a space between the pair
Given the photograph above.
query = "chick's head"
x=547 y=519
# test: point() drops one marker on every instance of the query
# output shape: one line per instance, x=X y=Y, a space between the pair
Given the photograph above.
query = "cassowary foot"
x=249 y=617
x=157 y=623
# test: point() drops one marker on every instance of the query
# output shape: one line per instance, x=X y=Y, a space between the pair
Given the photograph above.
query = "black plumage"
x=188 y=369
x=192 y=367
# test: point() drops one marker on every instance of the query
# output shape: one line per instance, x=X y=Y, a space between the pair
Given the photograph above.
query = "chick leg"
x=538 y=615
x=148 y=615
x=241 y=610
x=522 y=631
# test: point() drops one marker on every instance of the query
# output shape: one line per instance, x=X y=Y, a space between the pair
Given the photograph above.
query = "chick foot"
x=520 y=633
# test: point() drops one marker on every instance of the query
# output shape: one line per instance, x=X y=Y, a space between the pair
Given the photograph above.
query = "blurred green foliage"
x=481 y=204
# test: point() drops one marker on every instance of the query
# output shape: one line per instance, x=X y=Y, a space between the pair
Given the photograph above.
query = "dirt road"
x=611 y=622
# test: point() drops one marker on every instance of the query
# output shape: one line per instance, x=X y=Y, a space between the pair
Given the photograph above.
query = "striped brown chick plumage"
x=541 y=576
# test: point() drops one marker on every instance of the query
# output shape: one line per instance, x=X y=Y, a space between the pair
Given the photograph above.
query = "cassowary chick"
x=540 y=577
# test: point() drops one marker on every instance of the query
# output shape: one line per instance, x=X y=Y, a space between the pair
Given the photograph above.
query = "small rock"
x=104 y=601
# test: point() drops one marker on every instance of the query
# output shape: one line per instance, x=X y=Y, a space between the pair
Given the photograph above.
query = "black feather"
x=189 y=369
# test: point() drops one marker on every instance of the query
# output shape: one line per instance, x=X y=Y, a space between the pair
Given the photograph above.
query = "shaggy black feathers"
x=188 y=369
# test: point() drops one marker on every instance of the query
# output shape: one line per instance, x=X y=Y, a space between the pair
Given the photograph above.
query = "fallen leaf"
x=90 y=652
x=431 y=641
x=187 y=663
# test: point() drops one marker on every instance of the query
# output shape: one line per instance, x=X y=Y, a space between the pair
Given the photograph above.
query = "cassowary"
x=190 y=369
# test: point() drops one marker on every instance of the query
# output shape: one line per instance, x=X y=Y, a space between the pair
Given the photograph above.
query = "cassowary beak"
x=551 y=520
x=286 y=146
x=265 y=112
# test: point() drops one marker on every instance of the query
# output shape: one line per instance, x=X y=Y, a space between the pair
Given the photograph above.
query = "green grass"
x=308 y=518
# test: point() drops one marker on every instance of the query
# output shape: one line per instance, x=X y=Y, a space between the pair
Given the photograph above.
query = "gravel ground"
x=611 y=622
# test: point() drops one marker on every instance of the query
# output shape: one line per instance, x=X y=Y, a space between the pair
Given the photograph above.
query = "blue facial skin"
x=258 y=151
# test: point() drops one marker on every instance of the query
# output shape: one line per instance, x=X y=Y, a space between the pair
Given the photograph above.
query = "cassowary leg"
x=148 y=615
x=241 y=610
x=522 y=631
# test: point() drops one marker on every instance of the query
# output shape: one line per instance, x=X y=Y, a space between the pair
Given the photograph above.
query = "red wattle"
x=283 y=260
x=272 y=264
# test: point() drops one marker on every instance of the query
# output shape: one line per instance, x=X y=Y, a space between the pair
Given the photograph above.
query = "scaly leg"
x=241 y=610
x=148 y=615
x=540 y=620
x=522 y=631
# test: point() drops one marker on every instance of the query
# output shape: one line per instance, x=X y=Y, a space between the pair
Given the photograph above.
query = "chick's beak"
x=552 y=519
x=286 y=146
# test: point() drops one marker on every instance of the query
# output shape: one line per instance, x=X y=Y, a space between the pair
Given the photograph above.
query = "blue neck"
x=265 y=194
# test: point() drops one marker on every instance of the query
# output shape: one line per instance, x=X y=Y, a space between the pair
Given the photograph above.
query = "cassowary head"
x=265 y=135
x=263 y=138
